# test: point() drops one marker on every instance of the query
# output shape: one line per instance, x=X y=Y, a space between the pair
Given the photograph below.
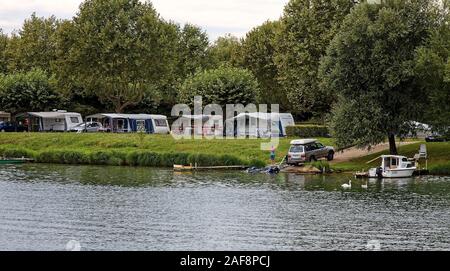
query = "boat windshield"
x=297 y=149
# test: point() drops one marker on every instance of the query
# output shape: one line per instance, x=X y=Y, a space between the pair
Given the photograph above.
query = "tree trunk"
x=119 y=109
x=392 y=145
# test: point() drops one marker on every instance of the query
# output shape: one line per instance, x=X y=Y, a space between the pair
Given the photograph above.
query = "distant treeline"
x=364 y=68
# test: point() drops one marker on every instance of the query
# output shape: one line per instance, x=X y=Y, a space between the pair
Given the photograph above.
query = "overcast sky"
x=217 y=17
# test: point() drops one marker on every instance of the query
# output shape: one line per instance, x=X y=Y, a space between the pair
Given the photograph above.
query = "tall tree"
x=258 y=54
x=226 y=50
x=308 y=26
x=27 y=91
x=433 y=71
x=370 y=66
x=222 y=86
x=193 y=50
x=33 y=46
x=3 y=57
x=75 y=96
x=122 y=50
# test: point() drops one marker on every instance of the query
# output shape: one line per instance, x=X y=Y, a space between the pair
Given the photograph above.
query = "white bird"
x=365 y=186
x=347 y=186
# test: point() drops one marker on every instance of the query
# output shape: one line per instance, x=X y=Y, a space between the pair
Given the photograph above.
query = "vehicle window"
x=320 y=146
x=160 y=123
x=297 y=149
x=309 y=147
x=74 y=120
x=140 y=125
x=394 y=162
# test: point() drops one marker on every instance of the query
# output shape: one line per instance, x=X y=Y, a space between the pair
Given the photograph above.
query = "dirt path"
x=352 y=153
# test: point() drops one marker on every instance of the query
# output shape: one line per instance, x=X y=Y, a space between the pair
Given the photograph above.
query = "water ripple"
x=114 y=208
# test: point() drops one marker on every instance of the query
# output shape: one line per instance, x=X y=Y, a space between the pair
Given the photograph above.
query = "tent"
x=129 y=123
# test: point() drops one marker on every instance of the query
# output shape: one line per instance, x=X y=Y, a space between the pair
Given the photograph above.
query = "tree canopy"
x=120 y=49
x=370 y=67
x=34 y=45
x=433 y=73
x=3 y=56
x=193 y=50
x=222 y=86
x=374 y=67
x=258 y=56
x=27 y=91
x=308 y=26
x=226 y=50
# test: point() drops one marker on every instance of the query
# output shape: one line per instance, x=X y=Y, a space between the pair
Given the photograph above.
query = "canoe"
x=12 y=161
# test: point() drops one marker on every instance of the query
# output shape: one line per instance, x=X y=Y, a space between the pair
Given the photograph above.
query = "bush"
x=440 y=169
x=307 y=131
x=16 y=153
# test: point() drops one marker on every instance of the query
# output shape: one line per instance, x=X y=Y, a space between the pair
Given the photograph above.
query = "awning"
x=126 y=116
x=48 y=115
x=258 y=115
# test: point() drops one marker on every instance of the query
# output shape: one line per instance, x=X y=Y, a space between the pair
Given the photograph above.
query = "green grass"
x=135 y=149
x=438 y=162
x=164 y=151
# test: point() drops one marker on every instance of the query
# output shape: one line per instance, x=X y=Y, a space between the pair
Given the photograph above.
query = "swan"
x=365 y=186
x=347 y=186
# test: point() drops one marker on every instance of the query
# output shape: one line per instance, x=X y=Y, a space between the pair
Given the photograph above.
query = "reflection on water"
x=115 y=208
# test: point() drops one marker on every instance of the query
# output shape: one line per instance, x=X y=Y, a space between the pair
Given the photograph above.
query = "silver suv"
x=308 y=150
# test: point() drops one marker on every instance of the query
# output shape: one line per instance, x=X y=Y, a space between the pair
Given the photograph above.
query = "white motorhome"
x=56 y=121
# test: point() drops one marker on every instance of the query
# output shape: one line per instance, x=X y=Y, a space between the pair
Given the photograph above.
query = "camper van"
x=262 y=125
x=56 y=121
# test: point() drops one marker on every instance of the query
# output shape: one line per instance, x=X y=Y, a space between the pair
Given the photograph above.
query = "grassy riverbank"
x=438 y=163
x=164 y=151
x=136 y=150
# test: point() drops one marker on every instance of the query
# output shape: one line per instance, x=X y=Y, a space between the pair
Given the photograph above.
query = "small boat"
x=393 y=166
x=195 y=168
x=10 y=161
x=183 y=168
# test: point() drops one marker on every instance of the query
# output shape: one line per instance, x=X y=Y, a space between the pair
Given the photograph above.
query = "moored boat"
x=393 y=166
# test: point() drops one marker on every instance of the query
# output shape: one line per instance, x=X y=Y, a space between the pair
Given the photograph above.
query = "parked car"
x=308 y=150
x=7 y=126
x=90 y=127
x=436 y=138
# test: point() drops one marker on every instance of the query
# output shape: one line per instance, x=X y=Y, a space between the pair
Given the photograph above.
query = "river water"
x=43 y=207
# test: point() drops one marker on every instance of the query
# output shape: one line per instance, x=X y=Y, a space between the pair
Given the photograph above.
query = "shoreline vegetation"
x=164 y=151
